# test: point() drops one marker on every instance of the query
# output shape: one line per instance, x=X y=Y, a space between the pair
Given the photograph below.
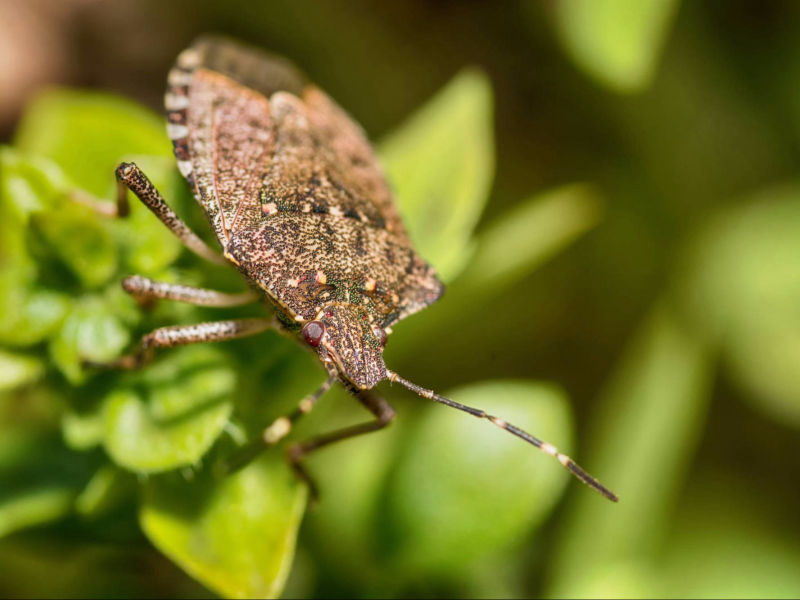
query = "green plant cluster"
x=97 y=468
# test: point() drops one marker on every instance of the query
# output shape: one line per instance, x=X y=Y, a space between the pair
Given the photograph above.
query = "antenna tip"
x=590 y=481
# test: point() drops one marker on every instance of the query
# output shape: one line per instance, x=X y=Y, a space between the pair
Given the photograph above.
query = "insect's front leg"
x=182 y=335
x=279 y=429
x=130 y=177
x=377 y=405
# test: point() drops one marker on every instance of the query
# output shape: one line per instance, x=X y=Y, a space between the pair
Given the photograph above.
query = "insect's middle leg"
x=130 y=177
x=144 y=289
x=377 y=405
x=182 y=335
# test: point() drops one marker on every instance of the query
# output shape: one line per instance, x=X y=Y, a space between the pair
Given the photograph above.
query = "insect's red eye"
x=313 y=332
x=381 y=335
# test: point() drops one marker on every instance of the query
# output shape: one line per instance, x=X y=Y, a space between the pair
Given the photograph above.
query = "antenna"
x=545 y=447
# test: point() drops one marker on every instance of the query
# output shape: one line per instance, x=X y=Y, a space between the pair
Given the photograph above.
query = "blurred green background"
x=609 y=188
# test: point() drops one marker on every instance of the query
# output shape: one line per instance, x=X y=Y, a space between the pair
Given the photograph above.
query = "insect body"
x=300 y=206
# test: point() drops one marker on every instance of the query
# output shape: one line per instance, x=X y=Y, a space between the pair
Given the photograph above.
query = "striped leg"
x=377 y=405
x=182 y=335
x=279 y=429
x=130 y=177
x=545 y=447
x=144 y=289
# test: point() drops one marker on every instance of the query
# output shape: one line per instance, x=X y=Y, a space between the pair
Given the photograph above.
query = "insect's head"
x=343 y=333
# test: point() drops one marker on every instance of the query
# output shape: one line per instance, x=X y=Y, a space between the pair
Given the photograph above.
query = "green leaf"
x=169 y=414
x=34 y=507
x=83 y=431
x=441 y=164
x=741 y=288
x=88 y=133
x=29 y=183
x=91 y=331
x=725 y=545
x=108 y=487
x=17 y=370
x=82 y=243
x=30 y=316
x=28 y=186
x=236 y=534
x=40 y=479
x=464 y=489
x=648 y=425
x=617 y=42
x=528 y=235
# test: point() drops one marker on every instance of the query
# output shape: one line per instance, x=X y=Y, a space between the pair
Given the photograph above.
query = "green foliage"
x=617 y=42
x=741 y=288
x=650 y=419
x=59 y=122
x=17 y=370
x=441 y=164
x=236 y=535
x=171 y=423
x=90 y=331
x=445 y=522
x=41 y=479
x=170 y=415
x=526 y=236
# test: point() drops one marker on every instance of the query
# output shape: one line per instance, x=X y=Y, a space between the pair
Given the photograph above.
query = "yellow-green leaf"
x=441 y=164
x=91 y=331
x=742 y=289
x=88 y=133
x=528 y=235
x=618 y=42
x=647 y=427
x=465 y=489
x=169 y=414
x=235 y=534
x=18 y=369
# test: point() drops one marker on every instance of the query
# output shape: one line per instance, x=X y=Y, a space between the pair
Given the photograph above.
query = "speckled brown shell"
x=295 y=195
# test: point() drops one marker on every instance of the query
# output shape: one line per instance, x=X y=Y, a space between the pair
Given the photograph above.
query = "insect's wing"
x=320 y=240
x=407 y=282
x=360 y=179
x=222 y=132
x=290 y=183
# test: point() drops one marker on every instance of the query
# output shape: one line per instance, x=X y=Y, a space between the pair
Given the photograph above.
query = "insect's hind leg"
x=182 y=335
x=130 y=177
x=377 y=405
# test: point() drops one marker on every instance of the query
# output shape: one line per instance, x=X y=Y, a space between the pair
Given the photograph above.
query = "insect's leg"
x=545 y=447
x=377 y=405
x=182 y=335
x=130 y=177
x=279 y=429
x=144 y=289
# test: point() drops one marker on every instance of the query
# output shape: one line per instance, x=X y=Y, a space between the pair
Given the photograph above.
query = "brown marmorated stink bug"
x=300 y=206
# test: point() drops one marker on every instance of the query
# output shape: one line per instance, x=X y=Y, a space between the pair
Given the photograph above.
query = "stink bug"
x=300 y=206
